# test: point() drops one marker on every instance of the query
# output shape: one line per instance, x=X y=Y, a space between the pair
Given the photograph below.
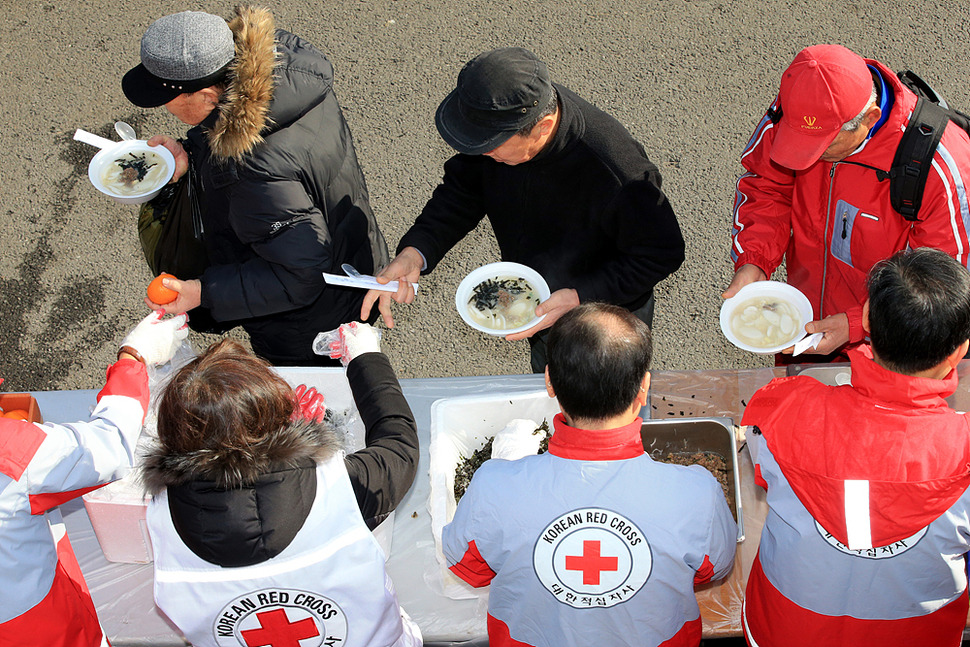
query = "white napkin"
x=811 y=341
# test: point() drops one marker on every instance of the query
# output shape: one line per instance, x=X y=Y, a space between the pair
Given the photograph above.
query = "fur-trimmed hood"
x=243 y=506
x=271 y=84
x=231 y=468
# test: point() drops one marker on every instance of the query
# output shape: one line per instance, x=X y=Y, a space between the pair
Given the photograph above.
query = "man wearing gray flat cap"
x=567 y=189
x=281 y=193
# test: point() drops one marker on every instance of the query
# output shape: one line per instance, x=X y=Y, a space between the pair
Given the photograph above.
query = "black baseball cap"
x=498 y=93
x=183 y=52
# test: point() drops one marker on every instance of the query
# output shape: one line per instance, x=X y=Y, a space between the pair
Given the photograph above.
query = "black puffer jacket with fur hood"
x=243 y=507
x=282 y=195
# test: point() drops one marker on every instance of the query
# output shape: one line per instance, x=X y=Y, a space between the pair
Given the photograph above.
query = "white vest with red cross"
x=327 y=588
x=592 y=543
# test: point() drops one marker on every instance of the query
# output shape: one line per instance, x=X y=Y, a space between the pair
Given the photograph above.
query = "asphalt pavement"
x=689 y=79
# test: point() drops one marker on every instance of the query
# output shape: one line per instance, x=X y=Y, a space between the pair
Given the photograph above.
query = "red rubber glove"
x=309 y=404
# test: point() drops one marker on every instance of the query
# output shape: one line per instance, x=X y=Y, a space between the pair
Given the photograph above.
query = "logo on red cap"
x=810 y=123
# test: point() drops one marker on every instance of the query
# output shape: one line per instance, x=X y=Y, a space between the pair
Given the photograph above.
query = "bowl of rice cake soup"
x=765 y=317
x=131 y=172
x=501 y=298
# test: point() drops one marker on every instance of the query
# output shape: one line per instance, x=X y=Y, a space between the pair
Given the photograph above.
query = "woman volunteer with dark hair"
x=260 y=523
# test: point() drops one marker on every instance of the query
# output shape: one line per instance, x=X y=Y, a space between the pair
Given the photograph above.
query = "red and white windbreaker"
x=869 y=512
x=43 y=598
x=327 y=587
x=591 y=543
x=835 y=221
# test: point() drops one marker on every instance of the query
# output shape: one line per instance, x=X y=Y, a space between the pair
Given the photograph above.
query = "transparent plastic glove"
x=348 y=342
x=309 y=404
x=157 y=339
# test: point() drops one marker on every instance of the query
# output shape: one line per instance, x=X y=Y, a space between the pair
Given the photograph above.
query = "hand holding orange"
x=158 y=293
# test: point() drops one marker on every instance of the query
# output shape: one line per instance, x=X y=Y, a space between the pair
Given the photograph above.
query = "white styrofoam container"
x=459 y=426
x=117 y=511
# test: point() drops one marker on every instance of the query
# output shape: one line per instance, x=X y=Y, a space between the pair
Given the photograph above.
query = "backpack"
x=914 y=155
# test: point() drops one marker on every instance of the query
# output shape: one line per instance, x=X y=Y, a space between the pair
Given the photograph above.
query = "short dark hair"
x=919 y=309
x=598 y=354
x=551 y=108
x=225 y=397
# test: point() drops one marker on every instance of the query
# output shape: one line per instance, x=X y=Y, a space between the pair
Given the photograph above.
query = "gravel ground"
x=688 y=78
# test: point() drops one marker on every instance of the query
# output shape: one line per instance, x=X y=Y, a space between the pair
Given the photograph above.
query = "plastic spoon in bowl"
x=126 y=132
x=92 y=139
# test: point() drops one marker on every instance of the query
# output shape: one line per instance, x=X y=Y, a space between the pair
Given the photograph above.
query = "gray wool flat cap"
x=187 y=46
x=180 y=53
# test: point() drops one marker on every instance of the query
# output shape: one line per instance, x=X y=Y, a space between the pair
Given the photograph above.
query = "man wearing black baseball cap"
x=282 y=195
x=567 y=189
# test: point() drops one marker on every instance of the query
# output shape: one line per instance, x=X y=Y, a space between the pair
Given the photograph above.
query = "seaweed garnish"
x=491 y=292
x=134 y=169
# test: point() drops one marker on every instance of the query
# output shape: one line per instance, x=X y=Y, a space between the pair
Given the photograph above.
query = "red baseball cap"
x=823 y=88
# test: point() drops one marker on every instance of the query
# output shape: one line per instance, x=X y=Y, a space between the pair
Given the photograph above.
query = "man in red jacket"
x=811 y=190
x=867 y=483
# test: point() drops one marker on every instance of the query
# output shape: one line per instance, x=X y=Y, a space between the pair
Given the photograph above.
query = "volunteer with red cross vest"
x=593 y=543
x=869 y=509
x=44 y=601
x=261 y=525
x=810 y=190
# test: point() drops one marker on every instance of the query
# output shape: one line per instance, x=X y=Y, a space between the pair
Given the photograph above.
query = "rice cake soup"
x=765 y=322
x=503 y=303
x=135 y=173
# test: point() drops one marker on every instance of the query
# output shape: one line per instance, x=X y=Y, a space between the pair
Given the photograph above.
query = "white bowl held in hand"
x=742 y=326
x=499 y=272
x=125 y=150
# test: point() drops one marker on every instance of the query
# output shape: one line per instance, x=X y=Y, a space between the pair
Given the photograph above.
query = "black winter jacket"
x=587 y=212
x=239 y=508
x=283 y=197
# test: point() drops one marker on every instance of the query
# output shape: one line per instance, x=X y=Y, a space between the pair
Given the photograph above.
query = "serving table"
x=123 y=592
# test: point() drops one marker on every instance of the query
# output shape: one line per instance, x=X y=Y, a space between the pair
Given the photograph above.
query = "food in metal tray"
x=713 y=463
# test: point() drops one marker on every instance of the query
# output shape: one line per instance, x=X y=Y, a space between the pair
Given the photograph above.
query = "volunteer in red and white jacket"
x=593 y=543
x=43 y=598
x=810 y=189
x=869 y=510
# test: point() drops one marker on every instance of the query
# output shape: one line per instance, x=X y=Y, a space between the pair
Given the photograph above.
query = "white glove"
x=517 y=440
x=155 y=340
x=353 y=340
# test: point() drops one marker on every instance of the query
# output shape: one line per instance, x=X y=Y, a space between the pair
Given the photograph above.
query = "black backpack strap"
x=914 y=157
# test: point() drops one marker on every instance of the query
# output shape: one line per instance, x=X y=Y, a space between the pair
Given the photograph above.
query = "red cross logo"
x=277 y=630
x=590 y=563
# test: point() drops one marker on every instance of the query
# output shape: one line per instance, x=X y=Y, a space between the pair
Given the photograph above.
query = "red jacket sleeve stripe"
x=473 y=568
x=19 y=442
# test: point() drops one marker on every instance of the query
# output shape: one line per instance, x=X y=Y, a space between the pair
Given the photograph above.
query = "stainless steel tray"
x=690 y=435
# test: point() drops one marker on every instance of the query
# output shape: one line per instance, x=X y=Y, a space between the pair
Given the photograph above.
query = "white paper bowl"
x=776 y=290
x=495 y=271
x=107 y=156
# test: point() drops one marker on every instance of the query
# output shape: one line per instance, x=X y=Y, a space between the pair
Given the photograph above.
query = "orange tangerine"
x=158 y=293
x=16 y=413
